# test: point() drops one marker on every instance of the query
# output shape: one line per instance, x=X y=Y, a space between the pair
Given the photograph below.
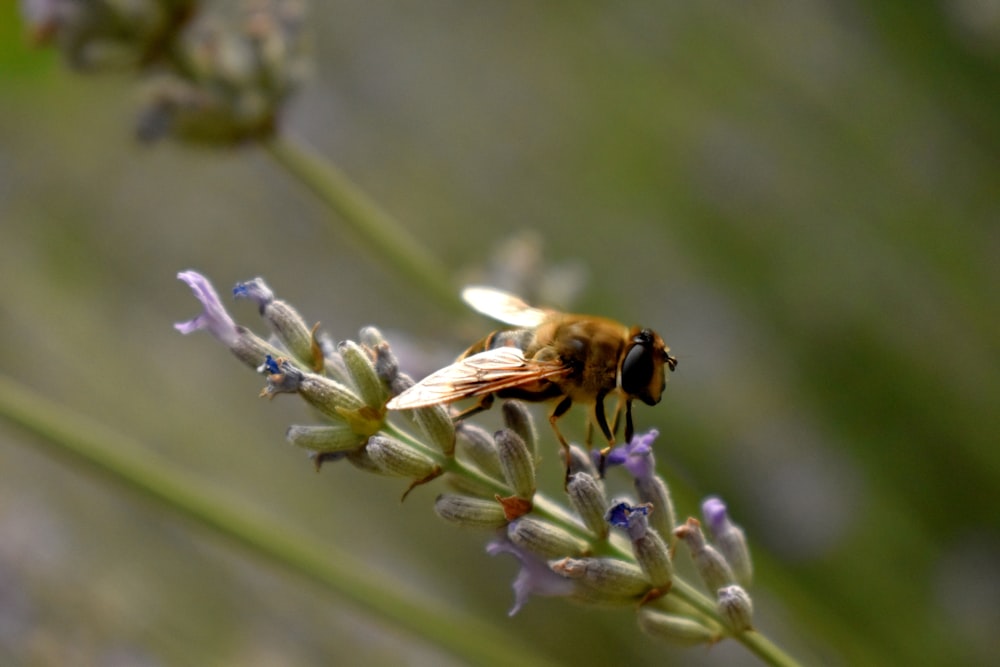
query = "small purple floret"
x=632 y=518
x=534 y=578
x=214 y=318
x=715 y=513
x=636 y=456
x=255 y=290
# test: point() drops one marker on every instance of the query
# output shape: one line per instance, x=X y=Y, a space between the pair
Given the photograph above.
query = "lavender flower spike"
x=214 y=318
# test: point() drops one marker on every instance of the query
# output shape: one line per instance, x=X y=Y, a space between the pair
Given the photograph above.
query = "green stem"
x=132 y=467
x=379 y=232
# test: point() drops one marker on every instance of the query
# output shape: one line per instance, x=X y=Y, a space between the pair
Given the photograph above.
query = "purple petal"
x=214 y=318
x=715 y=513
x=534 y=577
x=256 y=290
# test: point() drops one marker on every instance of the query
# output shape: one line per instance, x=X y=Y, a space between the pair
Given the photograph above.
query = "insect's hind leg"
x=484 y=404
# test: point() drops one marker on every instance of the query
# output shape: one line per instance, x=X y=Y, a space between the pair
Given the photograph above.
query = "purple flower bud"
x=214 y=318
x=256 y=290
x=632 y=518
x=714 y=511
x=636 y=456
x=534 y=578
x=729 y=538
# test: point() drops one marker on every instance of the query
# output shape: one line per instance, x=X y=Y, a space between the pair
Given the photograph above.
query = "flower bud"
x=478 y=446
x=736 y=607
x=438 y=426
x=362 y=460
x=544 y=539
x=362 y=372
x=470 y=512
x=326 y=395
x=516 y=462
x=679 y=630
x=712 y=567
x=247 y=346
x=654 y=491
x=518 y=419
x=370 y=337
x=397 y=458
x=588 y=499
x=387 y=366
x=286 y=322
x=580 y=461
x=338 y=437
x=603 y=580
x=108 y=35
x=729 y=538
x=649 y=548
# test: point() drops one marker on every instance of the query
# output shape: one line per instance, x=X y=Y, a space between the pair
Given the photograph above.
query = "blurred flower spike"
x=102 y=34
x=563 y=550
x=209 y=78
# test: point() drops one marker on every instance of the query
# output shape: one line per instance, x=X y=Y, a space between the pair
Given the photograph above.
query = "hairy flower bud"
x=580 y=461
x=736 y=607
x=544 y=539
x=470 y=512
x=518 y=419
x=604 y=580
x=363 y=374
x=518 y=466
x=654 y=491
x=438 y=426
x=399 y=459
x=711 y=566
x=337 y=437
x=649 y=548
x=729 y=539
x=285 y=321
x=679 y=630
x=328 y=396
x=588 y=499
x=478 y=446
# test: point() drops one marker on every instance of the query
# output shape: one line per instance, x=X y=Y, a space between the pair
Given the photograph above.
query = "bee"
x=552 y=357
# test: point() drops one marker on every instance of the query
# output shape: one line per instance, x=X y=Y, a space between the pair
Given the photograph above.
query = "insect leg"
x=484 y=404
x=616 y=422
x=558 y=412
x=629 y=432
x=602 y=421
x=629 y=427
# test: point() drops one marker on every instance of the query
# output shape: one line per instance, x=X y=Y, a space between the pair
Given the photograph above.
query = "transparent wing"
x=503 y=307
x=477 y=375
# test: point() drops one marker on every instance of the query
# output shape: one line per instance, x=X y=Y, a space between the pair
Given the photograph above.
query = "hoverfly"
x=550 y=356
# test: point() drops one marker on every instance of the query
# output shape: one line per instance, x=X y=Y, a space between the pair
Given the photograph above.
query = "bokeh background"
x=803 y=198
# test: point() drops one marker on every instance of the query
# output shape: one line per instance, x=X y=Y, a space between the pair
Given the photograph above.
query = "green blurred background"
x=803 y=198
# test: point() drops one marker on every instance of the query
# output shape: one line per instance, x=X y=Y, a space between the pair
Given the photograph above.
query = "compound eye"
x=639 y=368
